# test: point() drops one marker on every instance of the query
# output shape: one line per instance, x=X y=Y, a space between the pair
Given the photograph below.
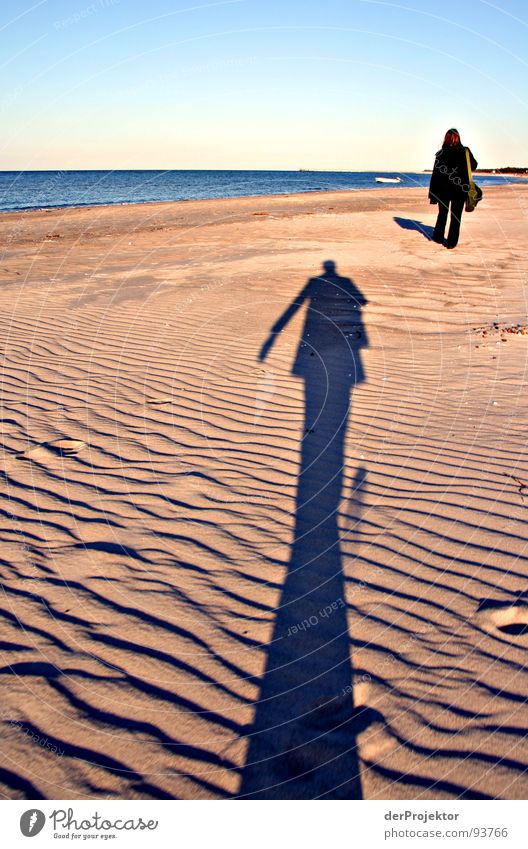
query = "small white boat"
x=388 y=179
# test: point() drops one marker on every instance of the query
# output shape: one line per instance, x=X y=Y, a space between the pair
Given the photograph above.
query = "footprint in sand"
x=39 y=453
x=509 y=619
x=66 y=447
x=58 y=447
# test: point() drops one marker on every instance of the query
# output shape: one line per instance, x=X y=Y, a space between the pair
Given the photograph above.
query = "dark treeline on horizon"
x=509 y=169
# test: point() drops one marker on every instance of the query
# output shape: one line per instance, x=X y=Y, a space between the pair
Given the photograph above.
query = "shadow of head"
x=329 y=266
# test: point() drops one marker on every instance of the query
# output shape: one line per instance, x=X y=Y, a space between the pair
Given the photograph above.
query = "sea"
x=22 y=190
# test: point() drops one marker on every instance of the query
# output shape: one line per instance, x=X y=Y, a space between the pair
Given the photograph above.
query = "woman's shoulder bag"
x=474 y=195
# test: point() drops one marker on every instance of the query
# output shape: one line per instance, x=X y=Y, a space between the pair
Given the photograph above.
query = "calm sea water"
x=42 y=189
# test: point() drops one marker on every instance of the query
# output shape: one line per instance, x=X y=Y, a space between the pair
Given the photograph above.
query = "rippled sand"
x=163 y=561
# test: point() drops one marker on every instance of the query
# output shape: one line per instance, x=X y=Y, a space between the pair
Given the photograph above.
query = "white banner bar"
x=250 y=825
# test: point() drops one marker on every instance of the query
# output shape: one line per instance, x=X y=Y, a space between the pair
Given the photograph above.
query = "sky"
x=265 y=84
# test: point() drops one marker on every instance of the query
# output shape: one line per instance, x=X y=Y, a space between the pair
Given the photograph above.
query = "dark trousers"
x=455 y=205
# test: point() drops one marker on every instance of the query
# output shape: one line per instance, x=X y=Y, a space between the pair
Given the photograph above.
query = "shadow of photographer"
x=302 y=742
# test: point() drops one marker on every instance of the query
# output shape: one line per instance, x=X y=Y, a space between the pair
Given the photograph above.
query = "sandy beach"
x=183 y=613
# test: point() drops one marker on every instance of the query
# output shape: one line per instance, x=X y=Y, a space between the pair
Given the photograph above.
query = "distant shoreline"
x=58 y=222
x=495 y=172
x=61 y=192
x=513 y=172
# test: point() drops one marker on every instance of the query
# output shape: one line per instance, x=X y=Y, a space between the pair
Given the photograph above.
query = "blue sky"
x=345 y=84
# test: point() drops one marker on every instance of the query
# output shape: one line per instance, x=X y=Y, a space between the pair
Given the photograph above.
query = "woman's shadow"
x=302 y=742
x=411 y=224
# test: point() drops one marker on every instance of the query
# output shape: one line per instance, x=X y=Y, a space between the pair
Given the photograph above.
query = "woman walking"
x=450 y=186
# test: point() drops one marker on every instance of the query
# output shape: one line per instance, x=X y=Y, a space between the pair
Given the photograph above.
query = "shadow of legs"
x=302 y=743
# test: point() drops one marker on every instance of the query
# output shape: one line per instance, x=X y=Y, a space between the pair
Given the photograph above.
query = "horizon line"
x=279 y=170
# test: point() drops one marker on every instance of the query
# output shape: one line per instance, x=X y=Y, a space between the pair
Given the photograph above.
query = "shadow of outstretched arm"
x=281 y=322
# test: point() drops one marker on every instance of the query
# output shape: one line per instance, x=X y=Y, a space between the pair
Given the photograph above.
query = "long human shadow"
x=411 y=224
x=302 y=742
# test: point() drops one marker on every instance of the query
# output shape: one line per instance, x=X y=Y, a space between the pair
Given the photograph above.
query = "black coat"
x=449 y=180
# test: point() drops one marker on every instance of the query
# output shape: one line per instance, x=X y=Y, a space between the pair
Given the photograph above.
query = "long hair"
x=452 y=138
